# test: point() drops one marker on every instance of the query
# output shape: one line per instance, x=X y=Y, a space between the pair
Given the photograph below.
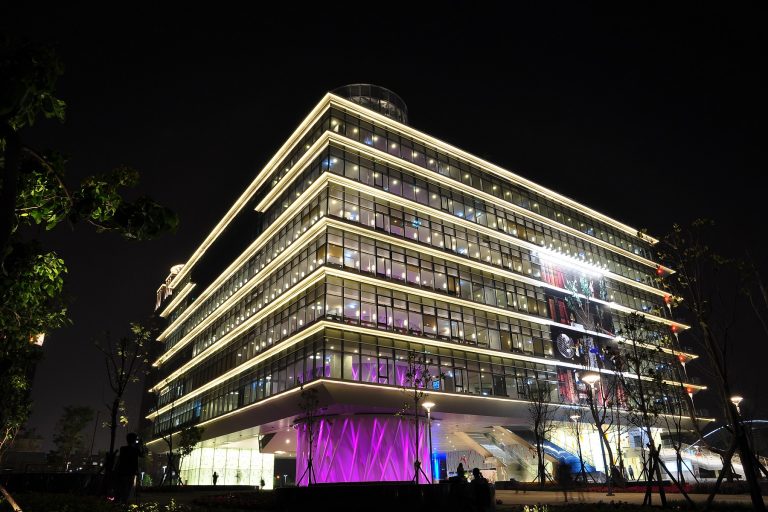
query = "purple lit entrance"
x=364 y=448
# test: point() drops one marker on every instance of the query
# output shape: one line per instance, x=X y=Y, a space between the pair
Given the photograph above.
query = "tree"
x=600 y=395
x=419 y=377
x=68 y=437
x=646 y=395
x=708 y=287
x=34 y=193
x=575 y=429
x=541 y=410
x=309 y=403
x=126 y=360
x=15 y=384
x=186 y=440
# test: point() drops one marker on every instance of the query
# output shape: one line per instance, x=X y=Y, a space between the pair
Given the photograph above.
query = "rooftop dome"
x=377 y=98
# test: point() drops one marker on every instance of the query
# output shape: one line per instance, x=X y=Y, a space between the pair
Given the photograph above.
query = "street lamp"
x=590 y=378
x=576 y=418
x=428 y=406
x=593 y=378
x=736 y=400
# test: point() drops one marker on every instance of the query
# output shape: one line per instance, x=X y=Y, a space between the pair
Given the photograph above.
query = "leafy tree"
x=35 y=193
x=188 y=439
x=185 y=441
x=126 y=360
x=68 y=437
x=709 y=287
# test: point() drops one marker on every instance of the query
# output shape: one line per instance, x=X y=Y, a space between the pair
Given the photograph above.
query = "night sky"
x=651 y=116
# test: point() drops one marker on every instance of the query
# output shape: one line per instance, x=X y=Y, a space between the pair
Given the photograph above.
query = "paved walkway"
x=551 y=497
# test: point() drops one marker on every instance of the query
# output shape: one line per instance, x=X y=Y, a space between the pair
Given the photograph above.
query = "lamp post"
x=576 y=418
x=736 y=400
x=428 y=406
x=593 y=378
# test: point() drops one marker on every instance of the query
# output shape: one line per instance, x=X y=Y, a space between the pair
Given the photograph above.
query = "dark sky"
x=649 y=115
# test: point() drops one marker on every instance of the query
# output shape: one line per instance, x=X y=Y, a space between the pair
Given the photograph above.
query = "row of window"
x=376 y=307
x=438 y=196
x=338 y=354
x=421 y=229
x=248 y=270
x=282 y=279
x=439 y=162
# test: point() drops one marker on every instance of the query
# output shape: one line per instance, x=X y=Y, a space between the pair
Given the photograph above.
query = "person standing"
x=481 y=493
x=564 y=479
x=127 y=468
x=215 y=478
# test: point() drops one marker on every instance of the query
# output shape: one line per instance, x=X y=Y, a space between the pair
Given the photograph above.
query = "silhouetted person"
x=481 y=493
x=564 y=479
x=631 y=473
x=460 y=471
x=215 y=477
x=127 y=469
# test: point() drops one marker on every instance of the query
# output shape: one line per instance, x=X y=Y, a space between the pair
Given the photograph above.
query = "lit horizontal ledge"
x=248 y=407
x=262 y=276
x=327 y=221
x=374 y=388
x=492 y=233
x=323 y=324
x=261 y=241
x=261 y=177
x=378 y=155
x=331 y=100
x=359 y=229
x=484 y=165
x=298 y=205
x=297 y=170
x=177 y=300
x=320 y=145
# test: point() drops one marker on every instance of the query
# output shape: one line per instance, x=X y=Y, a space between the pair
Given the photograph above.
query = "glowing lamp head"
x=689 y=390
x=590 y=378
x=428 y=405
x=674 y=328
x=736 y=400
x=575 y=417
x=681 y=358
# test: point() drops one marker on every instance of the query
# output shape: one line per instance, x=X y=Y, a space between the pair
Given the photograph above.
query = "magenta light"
x=363 y=448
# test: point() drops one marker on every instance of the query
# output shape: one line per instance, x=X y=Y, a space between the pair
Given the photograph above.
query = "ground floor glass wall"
x=234 y=466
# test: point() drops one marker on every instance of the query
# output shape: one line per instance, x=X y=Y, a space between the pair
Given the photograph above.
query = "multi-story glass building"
x=364 y=241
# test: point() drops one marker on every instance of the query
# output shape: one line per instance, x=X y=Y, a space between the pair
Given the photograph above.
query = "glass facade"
x=369 y=250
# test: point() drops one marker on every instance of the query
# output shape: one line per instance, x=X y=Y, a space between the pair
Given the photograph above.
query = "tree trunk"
x=748 y=463
x=14 y=506
x=109 y=464
x=9 y=187
x=726 y=462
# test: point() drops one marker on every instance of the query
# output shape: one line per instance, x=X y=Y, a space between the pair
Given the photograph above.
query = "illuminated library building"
x=364 y=242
